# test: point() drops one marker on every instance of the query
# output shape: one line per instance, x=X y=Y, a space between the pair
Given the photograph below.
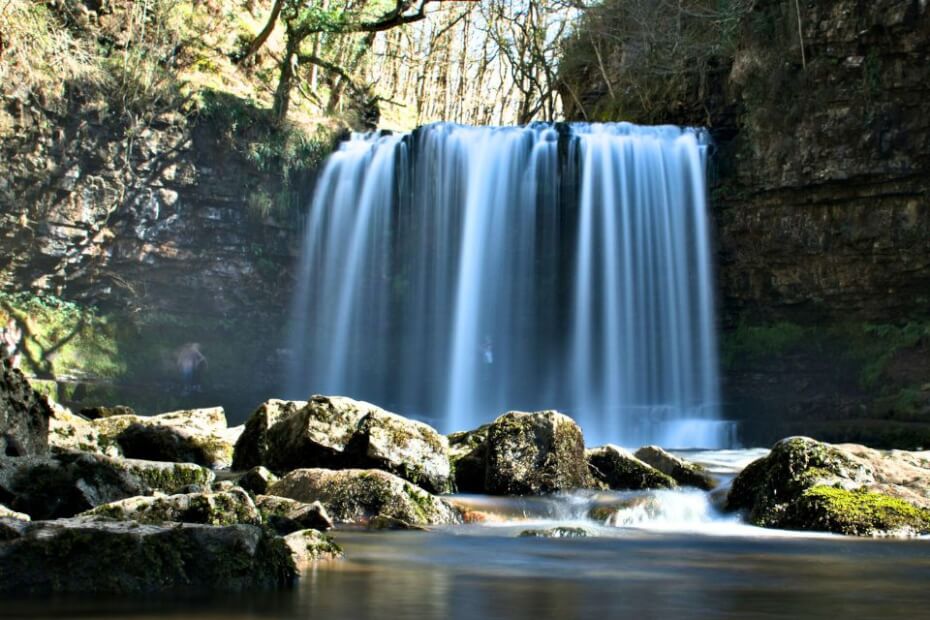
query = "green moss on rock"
x=858 y=512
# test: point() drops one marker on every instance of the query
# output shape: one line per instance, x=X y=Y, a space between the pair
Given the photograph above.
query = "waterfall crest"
x=454 y=273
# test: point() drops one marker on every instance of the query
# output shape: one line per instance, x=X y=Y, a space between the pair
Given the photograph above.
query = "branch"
x=258 y=41
x=396 y=17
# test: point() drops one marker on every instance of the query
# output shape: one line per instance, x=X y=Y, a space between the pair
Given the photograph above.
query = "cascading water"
x=454 y=273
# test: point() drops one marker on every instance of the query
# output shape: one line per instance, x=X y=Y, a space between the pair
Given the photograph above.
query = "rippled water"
x=658 y=555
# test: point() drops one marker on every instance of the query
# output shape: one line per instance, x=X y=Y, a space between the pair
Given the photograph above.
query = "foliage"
x=653 y=57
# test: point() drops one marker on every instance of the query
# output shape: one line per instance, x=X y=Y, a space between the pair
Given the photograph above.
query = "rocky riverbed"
x=115 y=502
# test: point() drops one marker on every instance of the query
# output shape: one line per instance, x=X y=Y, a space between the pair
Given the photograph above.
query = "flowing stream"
x=454 y=273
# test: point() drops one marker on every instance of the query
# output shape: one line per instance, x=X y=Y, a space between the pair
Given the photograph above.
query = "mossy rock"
x=357 y=495
x=251 y=450
x=86 y=557
x=287 y=515
x=767 y=486
x=226 y=508
x=858 y=512
x=683 y=472
x=535 y=453
x=308 y=546
x=468 y=454
x=621 y=471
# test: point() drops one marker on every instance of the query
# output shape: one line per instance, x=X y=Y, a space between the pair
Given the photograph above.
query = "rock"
x=317 y=435
x=186 y=436
x=534 y=453
x=68 y=432
x=221 y=486
x=311 y=546
x=257 y=480
x=95 y=413
x=288 y=515
x=225 y=508
x=412 y=450
x=684 y=473
x=67 y=484
x=621 y=471
x=24 y=415
x=86 y=557
x=6 y=513
x=358 y=495
x=859 y=513
x=252 y=447
x=468 y=451
x=382 y=522
x=558 y=532
x=848 y=489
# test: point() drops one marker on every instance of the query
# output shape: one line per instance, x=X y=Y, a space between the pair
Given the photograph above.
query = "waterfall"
x=454 y=273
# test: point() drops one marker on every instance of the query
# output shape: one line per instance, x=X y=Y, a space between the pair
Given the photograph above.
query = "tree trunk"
x=282 y=94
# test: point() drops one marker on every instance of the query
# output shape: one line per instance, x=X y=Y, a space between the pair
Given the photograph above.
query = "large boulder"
x=252 y=448
x=223 y=508
x=67 y=484
x=848 y=489
x=84 y=556
x=188 y=436
x=535 y=453
x=685 y=473
x=68 y=432
x=317 y=435
x=358 y=495
x=412 y=450
x=621 y=471
x=24 y=415
x=468 y=455
x=287 y=515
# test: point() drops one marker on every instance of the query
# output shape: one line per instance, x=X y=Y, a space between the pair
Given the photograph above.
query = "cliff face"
x=156 y=218
x=822 y=199
x=821 y=196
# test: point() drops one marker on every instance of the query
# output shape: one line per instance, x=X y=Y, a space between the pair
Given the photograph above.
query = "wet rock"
x=558 y=532
x=849 y=489
x=24 y=415
x=84 y=556
x=317 y=435
x=6 y=513
x=684 y=473
x=224 y=508
x=535 y=453
x=468 y=453
x=287 y=515
x=621 y=471
x=382 y=522
x=358 y=495
x=412 y=450
x=67 y=484
x=309 y=546
x=252 y=447
x=257 y=480
x=186 y=436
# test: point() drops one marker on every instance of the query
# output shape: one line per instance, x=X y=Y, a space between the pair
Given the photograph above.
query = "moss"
x=858 y=512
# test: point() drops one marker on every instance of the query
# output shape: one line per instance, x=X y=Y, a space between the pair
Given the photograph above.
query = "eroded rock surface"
x=83 y=556
x=535 y=453
x=67 y=484
x=358 y=495
x=224 y=508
